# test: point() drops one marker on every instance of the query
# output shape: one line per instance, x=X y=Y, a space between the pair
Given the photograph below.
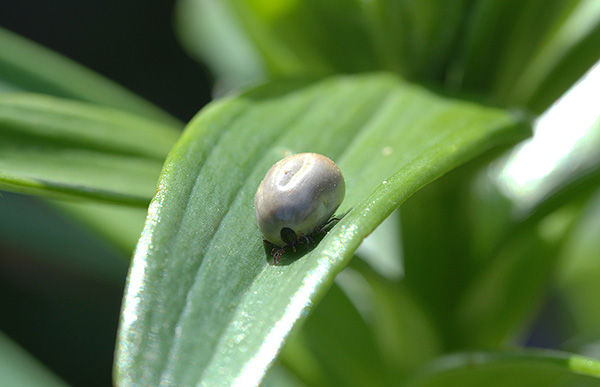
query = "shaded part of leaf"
x=514 y=61
x=57 y=147
x=505 y=292
x=405 y=333
x=279 y=376
x=34 y=228
x=436 y=246
x=118 y=224
x=579 y=270
x=341 y=343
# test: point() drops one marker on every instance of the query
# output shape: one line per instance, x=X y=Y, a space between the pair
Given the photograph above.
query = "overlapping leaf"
x=53 y=146
x=26 y=66
x=19 y=368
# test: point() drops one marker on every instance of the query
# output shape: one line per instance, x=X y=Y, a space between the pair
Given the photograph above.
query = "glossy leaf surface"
x=204 y=303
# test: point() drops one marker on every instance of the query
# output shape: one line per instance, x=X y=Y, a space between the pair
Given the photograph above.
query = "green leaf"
x=19 y=368
x=518 y=368
x=515 y=52
x=58 y=147
x=279 y=376
x=118 y=224
x=403 y=329
x=204 y=303
x=518 y=240
x=322 y=354
x=579 y=274
x=291 y=38
x=497 y=299
x=435 y=239
x=32 y=228
x=210 y=32
x=26 y=66
x=478 y=270
x=527 y=53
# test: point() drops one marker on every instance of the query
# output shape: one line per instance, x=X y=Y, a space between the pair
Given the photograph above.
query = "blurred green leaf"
x=26 y=66
x=329 y=357
x=390 y=334
x=435 y=240
x=19 y=368
x=382 y=249
x=210 y=32
x=580 y=270
x=524 y=53
x=484 y=262
x=518 y=241
x=58 y=147
x=506 y=292
x=279 y=376
x=298 y=38
x=524 y=368
x=32 y=228
x=404 y=331
x=118 y=224
x=527 y=53
x=204 y=302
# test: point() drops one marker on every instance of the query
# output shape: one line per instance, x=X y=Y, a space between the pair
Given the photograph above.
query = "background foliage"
x=465 y=285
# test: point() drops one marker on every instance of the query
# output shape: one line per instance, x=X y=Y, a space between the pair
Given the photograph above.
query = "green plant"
x=413 y=100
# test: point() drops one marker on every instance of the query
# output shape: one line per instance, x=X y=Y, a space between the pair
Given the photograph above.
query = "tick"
x=296 y=198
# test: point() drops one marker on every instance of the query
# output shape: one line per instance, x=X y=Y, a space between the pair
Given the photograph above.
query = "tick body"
x=297 y=197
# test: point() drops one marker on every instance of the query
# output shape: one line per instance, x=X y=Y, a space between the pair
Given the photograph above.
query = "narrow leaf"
x=58 y=147
x=19 y=368
x=527 y=53
x=579 y=277
x=515 y=52
x=26 y=66
x=521 y=368
x=204 y=302
x=33 y=229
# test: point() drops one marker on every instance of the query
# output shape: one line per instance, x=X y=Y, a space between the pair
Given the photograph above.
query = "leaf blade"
x=26 y=66
x=64 y=148
x=518 y=368
x=19 y=368
x=201 y=242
